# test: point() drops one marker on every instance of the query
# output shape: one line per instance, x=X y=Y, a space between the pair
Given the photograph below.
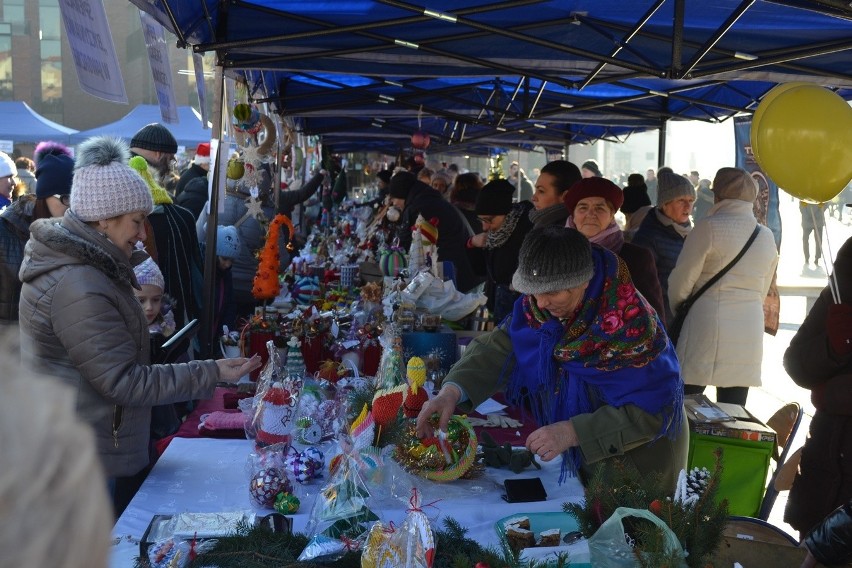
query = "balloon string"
x=832 y=279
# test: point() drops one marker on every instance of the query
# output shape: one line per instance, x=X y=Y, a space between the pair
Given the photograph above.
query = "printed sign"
x=87 y=29
x=161 y=70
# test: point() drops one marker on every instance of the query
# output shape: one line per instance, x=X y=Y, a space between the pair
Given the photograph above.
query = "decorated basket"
x=440 y=458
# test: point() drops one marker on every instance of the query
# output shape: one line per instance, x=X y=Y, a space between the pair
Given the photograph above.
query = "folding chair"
x=785 y=422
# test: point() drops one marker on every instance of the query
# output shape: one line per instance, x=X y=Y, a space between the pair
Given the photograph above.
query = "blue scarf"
x=613 y=351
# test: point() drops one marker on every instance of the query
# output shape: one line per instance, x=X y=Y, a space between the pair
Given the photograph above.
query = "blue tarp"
x=188 y=132
x=21 y=124
x=491 y=71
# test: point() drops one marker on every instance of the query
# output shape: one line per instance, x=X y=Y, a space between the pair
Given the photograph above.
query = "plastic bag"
x=609 y=546
x=268 y=475
x=341 y=514
x=442 y=298
x=176 y=553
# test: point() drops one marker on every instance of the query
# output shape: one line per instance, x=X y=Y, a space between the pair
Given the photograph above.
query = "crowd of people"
x=101 y=260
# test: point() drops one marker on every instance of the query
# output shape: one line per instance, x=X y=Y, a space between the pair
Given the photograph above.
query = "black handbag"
x=673 y=329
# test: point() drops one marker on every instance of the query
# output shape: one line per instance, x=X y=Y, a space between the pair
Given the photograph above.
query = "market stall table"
x=209 y=475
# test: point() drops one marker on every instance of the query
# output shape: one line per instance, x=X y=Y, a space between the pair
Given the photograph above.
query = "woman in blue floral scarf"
x=586 y=355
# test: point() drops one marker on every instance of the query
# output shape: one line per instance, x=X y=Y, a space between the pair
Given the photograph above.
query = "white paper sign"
x=198 y=65
x=91 y=45
x=161 y=70
x=7 y=146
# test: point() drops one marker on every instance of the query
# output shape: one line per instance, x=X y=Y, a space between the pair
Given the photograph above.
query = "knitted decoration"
x=386 y=405
x=363 y=429
x=295 y=361
x=158 y=193
x=276 y=414
x=415 y=395
x=392 y=261
x=266 y=284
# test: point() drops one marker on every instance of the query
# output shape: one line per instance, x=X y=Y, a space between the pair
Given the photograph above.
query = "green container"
x=745 y=464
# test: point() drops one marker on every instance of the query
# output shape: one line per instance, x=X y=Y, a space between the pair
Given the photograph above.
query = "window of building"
x=50 y=25
x=6 y=92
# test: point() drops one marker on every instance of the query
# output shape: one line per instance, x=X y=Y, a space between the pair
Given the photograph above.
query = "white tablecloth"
x=203 y=475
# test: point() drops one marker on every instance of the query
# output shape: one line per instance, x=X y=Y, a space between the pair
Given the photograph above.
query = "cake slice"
x=519 y=538
x=519 y=522
x=550 y=537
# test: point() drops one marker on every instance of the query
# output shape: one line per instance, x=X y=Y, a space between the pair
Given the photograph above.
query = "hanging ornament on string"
x=420 y=140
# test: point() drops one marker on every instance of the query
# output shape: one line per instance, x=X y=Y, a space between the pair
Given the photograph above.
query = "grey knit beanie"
x=734 y=183
x=104 y=185
x=553 y=258
x=155 y=137
x=672 y=186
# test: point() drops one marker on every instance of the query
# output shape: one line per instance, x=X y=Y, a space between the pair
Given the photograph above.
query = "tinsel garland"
x=259 y=547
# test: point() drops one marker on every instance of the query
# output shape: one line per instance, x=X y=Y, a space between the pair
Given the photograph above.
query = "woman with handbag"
x=721 y=341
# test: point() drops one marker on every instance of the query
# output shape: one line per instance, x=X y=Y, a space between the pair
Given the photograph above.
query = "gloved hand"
x=839 y=328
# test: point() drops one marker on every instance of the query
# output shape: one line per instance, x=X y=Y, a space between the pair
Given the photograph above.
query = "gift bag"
x=612 y=547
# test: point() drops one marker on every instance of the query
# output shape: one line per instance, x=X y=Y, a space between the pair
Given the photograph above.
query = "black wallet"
x=524 y=490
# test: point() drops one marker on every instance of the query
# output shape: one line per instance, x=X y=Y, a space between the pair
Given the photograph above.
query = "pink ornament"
x=420 y=140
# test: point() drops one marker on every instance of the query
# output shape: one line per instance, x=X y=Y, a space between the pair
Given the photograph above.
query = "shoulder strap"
x=730 y=265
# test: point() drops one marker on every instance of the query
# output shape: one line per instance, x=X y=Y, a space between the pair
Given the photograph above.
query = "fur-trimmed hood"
x=59 y=242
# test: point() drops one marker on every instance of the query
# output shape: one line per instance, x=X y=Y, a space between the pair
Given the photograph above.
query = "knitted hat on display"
x=54 y=175
x=429 y=229
x=593 y=167
x=635 y=194
x=227 y=242
x=553 y=258
x=104 y=185
x=202 y=154
x=401 y=184
x=593 y=187
x=673 y=186
x=7 y=166
x=155 y=137
x=495 y=198
x=734 y=183
x=149 y=273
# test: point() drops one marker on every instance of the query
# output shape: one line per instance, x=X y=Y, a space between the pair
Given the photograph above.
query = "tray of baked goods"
x=544 y=538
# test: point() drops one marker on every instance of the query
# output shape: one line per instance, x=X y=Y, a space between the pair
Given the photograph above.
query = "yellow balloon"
x=805 y=141
x=761 y=109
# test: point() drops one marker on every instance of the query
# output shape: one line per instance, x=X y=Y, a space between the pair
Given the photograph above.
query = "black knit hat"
x=635 y=194
x=401 y=184
x=54 y=175
x=495 y=198
x=385 y=175
x=155 y=137
x=553 y=258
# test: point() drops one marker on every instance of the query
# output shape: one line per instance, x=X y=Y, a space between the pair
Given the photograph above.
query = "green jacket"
x=605 y=433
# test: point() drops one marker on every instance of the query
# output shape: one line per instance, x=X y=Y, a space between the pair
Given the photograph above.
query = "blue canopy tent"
x=19 y=123
x=506 y=68
x=188 y=132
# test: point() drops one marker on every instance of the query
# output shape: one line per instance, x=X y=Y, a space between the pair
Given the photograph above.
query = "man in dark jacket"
x=199 y=168
x=416 y=198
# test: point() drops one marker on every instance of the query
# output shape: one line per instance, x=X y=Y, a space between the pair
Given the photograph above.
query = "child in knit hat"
x=155 y=303
x=165 y=418
x=227 y=249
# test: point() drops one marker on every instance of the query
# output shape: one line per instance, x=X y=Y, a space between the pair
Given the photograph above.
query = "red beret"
x=593 y=187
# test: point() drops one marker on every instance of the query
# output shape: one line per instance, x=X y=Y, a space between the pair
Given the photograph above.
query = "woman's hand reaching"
x=550 y=441
x=444 y=405
x=230 y=370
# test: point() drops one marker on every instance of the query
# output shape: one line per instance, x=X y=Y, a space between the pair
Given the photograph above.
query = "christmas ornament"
x=420 y=140
x=295 y=361
x=236 y=169
x=315 y=456
x=266 y=484
x=301 y=468
x=275 y=414
x=392 y=261
x=286 y=503
x=307 y=290
x=415 y=394
x=266 y=284
x=444 y=457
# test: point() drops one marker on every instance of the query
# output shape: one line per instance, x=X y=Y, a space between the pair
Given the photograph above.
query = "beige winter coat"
x=81 y=323
x=721 y=343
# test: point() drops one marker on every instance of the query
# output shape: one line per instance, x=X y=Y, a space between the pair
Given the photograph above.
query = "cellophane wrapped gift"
x=411 y=545
x=268 y=475
x=341 y=514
